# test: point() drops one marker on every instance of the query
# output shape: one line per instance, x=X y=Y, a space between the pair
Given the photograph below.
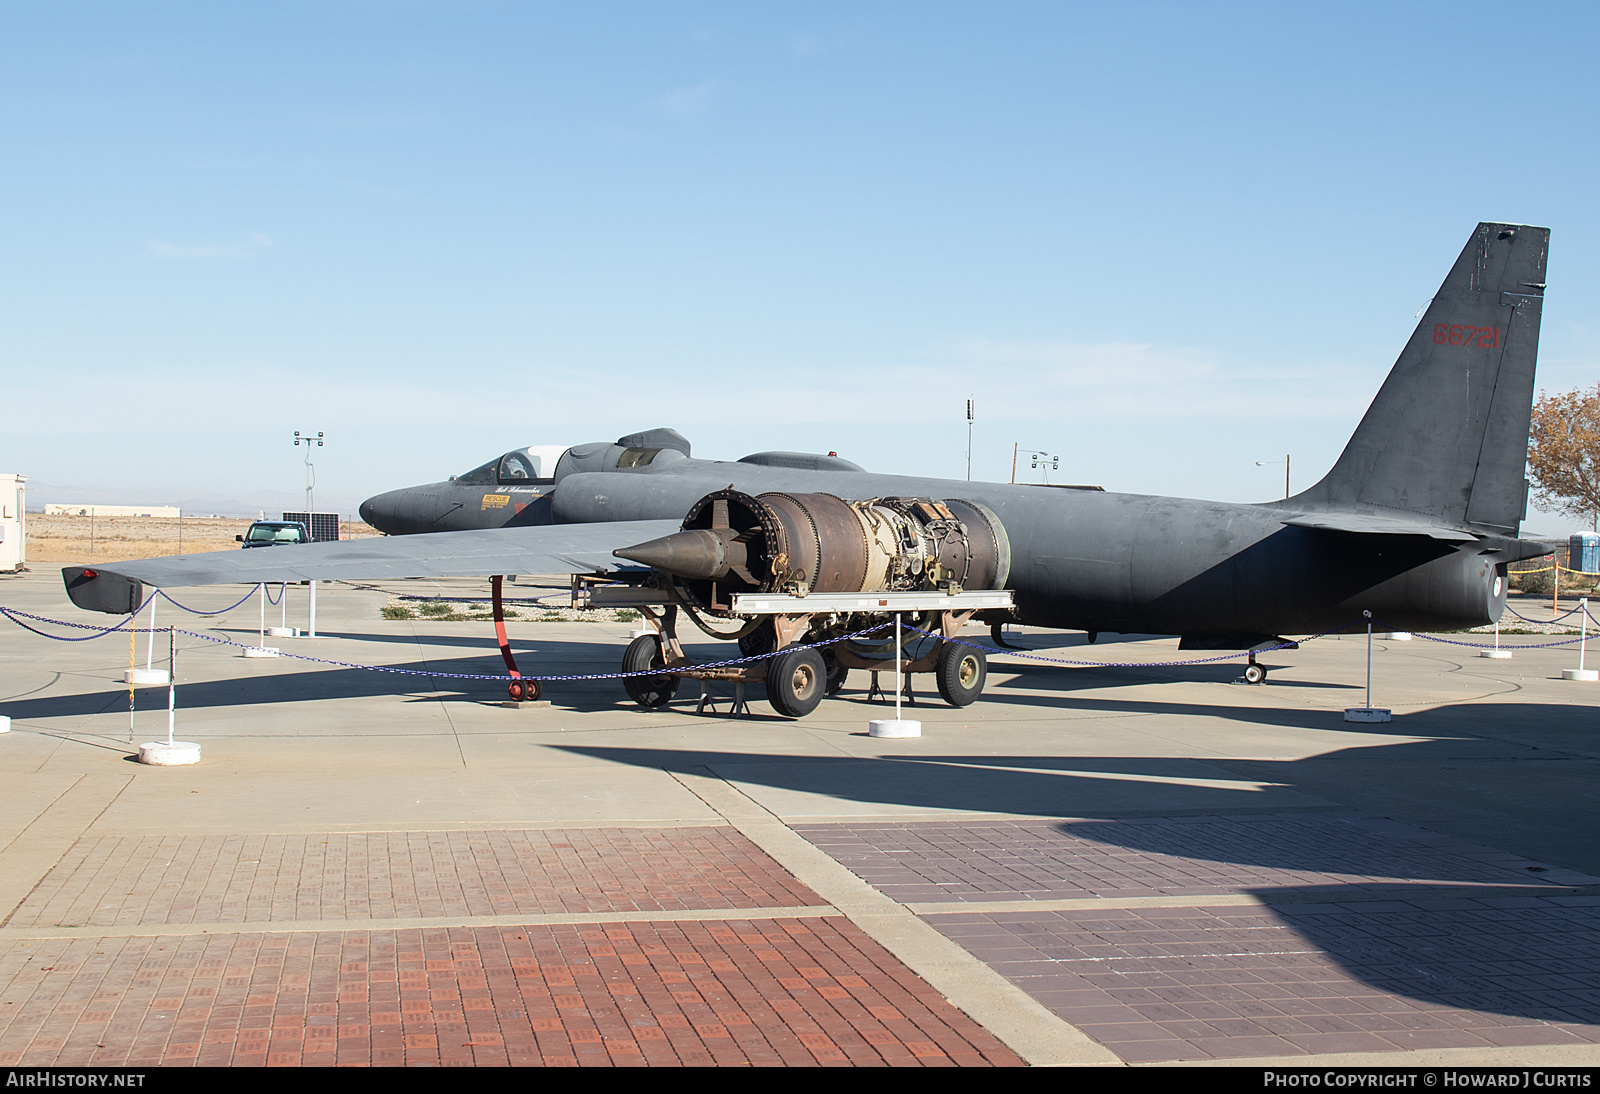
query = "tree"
x=1564 y=453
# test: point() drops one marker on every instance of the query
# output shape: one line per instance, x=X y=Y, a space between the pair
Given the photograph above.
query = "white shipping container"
x=13 y=523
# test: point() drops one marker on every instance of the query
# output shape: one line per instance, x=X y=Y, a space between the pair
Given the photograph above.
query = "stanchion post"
x=172 y=681
x=1581 y=673
x=899 y=686
x=132 y=654
x=261 y=649
x=897 y=726
x=1368 y=713
x=1369 y=659
x=171 y=753
x=1583 y=629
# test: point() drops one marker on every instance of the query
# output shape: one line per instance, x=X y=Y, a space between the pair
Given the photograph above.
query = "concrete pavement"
x=1090 y=865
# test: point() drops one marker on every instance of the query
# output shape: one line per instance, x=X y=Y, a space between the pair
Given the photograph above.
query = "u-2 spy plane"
x=1415 y=524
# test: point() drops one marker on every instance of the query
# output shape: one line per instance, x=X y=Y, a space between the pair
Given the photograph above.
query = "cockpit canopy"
x=531 y=466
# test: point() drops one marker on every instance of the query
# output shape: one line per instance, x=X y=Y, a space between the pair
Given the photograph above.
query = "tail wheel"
x=650 y=692
x=1254 y=673
x=961 y=673
x=796 y=682
x=525 y=691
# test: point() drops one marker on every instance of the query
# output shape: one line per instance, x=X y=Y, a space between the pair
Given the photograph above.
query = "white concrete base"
x=1392 y=636
x=536 y=704
x=894 y=727
x=283 y=632
x=1498 y=655
x=1580 y=674
x=640 y=631
x=261 y=651
x=145 y=677
x=5 y=723
x=161 y=754
x=1366 y=714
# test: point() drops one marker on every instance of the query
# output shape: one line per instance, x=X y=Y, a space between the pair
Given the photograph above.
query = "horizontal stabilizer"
x=542 y=549
x=1375 y=525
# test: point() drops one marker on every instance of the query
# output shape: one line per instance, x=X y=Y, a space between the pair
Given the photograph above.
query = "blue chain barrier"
x=682 y=670
x=283 y=587
x=1553 y=619
x=17 y=617
x=1132 y=664
x=1490 y=645
x=162 y=593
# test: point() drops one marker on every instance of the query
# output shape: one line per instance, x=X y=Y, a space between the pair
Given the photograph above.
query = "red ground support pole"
x=521 y=690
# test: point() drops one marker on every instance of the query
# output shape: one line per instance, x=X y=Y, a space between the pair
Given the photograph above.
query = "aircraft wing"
x=1378 y=525
x=117 y=587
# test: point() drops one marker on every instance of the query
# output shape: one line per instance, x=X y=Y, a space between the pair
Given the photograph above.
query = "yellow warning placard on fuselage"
x=496 y=501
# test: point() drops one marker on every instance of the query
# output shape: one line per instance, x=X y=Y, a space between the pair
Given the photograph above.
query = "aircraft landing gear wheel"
x=525 y=691
x=650 y=692
x=837 y=673
x=1255 y=674
x=796 y=682
x=961 y=673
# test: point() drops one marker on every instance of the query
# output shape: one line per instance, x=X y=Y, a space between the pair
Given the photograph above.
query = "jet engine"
x=733 y=542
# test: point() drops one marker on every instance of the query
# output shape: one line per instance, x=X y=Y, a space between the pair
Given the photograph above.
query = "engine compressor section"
x=806 y=546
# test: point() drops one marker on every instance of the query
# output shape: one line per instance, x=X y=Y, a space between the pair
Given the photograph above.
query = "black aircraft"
x=1416 y=522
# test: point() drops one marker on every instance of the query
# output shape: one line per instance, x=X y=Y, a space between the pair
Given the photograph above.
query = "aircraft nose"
x=382 y=511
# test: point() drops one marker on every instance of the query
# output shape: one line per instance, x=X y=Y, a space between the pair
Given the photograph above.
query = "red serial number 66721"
x=1457 y=334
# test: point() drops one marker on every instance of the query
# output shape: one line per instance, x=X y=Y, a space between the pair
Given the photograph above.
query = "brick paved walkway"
x=928 y=862
x=1195 y=983
x=812 y=991
x=110 y=881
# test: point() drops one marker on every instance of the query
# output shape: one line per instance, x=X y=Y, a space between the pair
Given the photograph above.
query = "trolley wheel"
x=837 y=673
x=961 y=672
x=759 y=641
x=649 y=692
x=796 y=682
x=525 y=691
x=1255 y=674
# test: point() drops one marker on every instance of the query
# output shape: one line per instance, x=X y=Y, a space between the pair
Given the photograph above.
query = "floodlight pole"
x=969 y=438
x=310 y=471
x=1264 y=463
x=1038 y=459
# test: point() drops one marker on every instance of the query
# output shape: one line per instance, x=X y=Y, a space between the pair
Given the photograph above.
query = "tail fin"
x=1447 y=436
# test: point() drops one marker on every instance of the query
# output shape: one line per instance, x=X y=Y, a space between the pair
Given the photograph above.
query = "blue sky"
x=1163 y=241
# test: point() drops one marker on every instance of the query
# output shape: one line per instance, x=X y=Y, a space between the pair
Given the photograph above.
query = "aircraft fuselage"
x=1083 y=559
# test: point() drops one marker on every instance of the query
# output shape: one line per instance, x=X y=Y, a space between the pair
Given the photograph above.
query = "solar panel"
x=324 y=526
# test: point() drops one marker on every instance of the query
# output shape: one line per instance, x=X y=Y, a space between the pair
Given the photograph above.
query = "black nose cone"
x=383 y=512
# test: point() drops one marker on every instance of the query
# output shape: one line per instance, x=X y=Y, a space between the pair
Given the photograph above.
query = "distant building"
x=170 y=511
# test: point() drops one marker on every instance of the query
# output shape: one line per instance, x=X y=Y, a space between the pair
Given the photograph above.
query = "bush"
x=1541 y=582
x=395 y=611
